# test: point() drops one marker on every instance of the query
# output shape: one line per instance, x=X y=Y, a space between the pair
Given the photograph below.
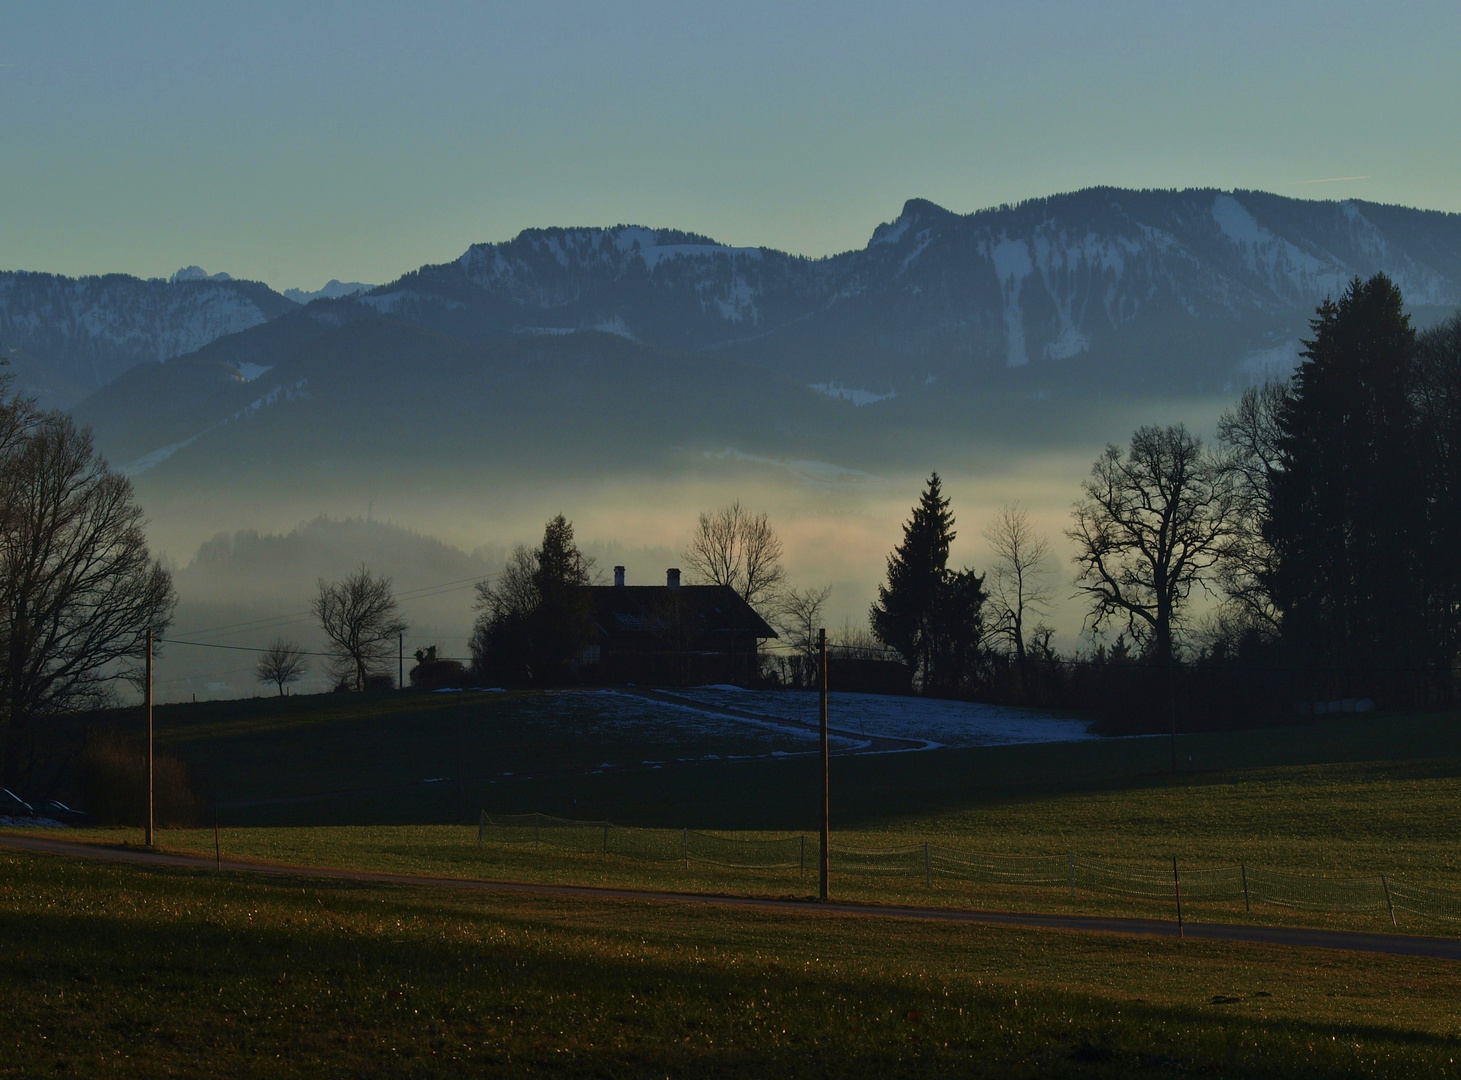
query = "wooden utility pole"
x=149 y=738
x=826 y=761
x=1172 y=706
x=401 y=661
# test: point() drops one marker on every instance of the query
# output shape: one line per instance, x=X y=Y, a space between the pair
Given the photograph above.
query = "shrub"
x=114 y=784
x=438 y=674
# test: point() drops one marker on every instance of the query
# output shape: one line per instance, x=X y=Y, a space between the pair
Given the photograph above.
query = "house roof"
x=625 y=610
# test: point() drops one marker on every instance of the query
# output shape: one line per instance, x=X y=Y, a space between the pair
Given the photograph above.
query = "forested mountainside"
x=72 y=336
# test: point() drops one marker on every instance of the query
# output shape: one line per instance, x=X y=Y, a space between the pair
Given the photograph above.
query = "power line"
x=259 y=649
x=233 y=648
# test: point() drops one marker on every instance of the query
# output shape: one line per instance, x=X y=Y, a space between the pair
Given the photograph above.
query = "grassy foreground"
x=125 y=971
x=1399 y=818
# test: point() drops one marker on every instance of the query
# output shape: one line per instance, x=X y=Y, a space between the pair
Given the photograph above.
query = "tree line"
x=1322 y=527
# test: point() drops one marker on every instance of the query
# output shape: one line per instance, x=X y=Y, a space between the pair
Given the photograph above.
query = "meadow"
x=1350 y=798
x=128 y=971
x=120 y=970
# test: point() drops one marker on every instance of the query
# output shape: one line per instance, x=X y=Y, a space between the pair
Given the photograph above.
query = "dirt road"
x=1397 y=944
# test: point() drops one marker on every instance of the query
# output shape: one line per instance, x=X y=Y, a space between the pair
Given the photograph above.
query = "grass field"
x=129 y=971
x=124 y=971
x=1352 y=797
x=1341 y=820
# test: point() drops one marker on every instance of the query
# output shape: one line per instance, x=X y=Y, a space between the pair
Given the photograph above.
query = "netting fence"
x=1071 y=874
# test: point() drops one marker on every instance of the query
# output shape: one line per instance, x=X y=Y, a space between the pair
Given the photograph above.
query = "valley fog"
x=247 y=560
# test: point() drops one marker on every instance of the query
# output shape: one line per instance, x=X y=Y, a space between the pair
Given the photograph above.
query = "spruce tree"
x=1348 y=511
x=925 y=612
x=562 y=626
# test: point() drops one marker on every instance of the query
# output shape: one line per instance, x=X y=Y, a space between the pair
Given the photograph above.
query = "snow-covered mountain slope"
x=87 y=331
x=1095 y=282
x=602 y=346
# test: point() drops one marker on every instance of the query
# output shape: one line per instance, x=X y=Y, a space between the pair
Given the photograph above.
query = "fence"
x=925 y=863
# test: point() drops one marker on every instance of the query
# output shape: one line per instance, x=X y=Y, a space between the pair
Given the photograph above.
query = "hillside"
x=81 y=333
x=380 y=392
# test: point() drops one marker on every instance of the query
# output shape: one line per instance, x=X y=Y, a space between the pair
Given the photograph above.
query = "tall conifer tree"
x=1347 y=502
x=927 y=613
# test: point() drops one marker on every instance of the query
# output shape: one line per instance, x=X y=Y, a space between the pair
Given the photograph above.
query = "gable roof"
x=627 y=610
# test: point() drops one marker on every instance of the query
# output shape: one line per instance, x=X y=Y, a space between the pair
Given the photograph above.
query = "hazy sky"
x=298 y=142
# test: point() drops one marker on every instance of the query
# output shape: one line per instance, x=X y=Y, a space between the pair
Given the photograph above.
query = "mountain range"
x=612 y=345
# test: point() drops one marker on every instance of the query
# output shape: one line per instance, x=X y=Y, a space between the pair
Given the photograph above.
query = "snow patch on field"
x=944 y=723
x=636 y=711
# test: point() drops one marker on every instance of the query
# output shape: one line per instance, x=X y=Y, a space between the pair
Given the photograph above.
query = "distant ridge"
x=618 y=344
x=334 y=289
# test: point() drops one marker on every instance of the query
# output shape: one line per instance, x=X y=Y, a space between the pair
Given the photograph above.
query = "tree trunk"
x=16 y=730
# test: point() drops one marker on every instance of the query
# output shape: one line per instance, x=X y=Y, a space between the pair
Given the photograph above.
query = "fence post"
x=217 y=847
x=537 y=822
x=1386 y=886
x=606 y=838
x=927 y=868
x=804 y=855
x=481 y=824
x=1177 y=884
x=1246 y=905
x=687 y=849
x=1070 y=858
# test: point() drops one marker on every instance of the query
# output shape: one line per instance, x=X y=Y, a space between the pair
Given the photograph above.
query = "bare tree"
x=1020 y=581
x=1040 y=641
x=516 y=591
x=78 y=589
x=283 y=662
x=1249 y=437
x=361 y=620
x=857 y=642
x=1152 y=523
x=800 y=618
x=735 y=547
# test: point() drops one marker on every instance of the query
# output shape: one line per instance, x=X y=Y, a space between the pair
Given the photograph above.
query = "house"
x=672 y=634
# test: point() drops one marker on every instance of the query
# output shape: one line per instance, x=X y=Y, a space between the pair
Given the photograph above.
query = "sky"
x=296 y=143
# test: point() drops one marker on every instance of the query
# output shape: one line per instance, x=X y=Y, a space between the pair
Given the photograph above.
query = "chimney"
x=672 y=578
x=618 y=577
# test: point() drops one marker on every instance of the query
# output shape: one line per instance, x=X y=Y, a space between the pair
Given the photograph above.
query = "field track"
x=1396 y=944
